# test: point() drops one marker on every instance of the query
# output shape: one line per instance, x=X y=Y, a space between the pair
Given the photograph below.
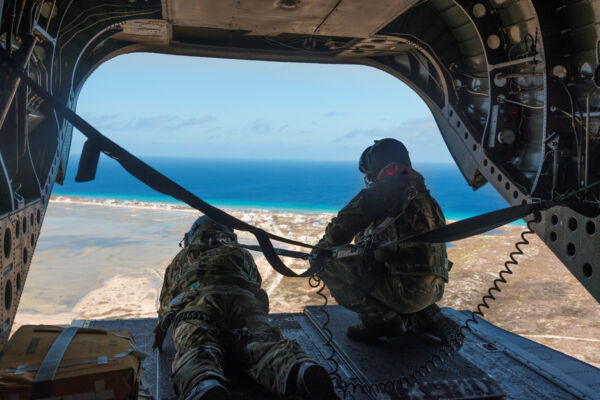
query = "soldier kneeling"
x=393 y=290
x=213 y=298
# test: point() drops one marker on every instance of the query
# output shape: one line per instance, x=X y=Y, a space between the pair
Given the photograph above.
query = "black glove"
x=318 y=256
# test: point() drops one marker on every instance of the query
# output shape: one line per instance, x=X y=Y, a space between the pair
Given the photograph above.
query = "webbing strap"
x=97 y=360
x=160 y=182
x=448 y=233
x=42 y=383
x=469 y=227
x=278 y=251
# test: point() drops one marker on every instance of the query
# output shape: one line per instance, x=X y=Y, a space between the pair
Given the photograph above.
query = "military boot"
x=372 y=332
x=431 y=320
x=312 y=382
x=208 y=389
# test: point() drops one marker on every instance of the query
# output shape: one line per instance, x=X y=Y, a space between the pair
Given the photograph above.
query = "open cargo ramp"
x=492 y=364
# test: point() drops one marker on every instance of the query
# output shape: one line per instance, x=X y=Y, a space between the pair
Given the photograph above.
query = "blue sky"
x=211 y=108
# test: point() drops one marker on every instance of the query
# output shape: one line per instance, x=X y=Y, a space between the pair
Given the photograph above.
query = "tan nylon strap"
x=42 y=383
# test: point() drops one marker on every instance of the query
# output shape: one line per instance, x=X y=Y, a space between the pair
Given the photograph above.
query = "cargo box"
x=41 y=361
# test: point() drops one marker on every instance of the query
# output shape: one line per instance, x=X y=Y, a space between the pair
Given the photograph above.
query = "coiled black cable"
x=445 y=350
x=501 y=278
x=314 y=281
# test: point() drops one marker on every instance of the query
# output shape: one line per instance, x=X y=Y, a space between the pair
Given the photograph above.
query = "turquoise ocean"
x=305 y=186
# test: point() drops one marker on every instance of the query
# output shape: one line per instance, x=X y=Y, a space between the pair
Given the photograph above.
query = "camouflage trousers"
x=238 y=330
x=377 y=295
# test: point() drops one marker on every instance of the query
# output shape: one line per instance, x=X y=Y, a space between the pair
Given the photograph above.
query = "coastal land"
x=105 y=259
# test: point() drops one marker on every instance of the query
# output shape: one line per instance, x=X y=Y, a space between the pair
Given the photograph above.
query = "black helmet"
x=380 y=155
x=205 y=226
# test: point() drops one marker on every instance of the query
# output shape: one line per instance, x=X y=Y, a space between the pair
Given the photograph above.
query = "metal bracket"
x=43 y=35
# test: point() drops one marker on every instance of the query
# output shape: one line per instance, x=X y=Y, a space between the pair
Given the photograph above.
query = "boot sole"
x=318 y=384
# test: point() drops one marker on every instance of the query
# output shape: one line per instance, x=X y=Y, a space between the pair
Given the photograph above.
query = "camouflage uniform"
x=401 y=279
x=222 y=312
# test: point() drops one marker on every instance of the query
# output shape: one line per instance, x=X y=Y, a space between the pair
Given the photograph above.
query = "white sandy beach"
x=106 y=260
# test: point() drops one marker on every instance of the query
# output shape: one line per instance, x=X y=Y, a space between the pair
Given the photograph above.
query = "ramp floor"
x=493 y=363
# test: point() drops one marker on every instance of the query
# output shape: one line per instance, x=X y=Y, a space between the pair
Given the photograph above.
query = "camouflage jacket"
x=395 y=206
x=199 y=266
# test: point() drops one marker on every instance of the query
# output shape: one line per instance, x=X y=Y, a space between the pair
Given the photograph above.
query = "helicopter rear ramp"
x=492 y=364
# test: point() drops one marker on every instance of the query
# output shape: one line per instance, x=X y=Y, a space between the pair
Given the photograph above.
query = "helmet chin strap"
x=369 y=180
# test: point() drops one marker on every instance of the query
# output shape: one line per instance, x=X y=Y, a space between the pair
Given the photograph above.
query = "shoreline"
x=111 y=201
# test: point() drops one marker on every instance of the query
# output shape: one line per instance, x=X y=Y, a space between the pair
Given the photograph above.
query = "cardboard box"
x=88 y=364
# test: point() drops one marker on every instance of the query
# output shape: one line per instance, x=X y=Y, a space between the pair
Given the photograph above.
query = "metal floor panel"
x=491 y=362
x=578 y=370
x=388 y=359
x=515 y=363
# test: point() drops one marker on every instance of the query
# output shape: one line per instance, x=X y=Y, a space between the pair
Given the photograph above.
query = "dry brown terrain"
x=542 y=300
x=106 y=261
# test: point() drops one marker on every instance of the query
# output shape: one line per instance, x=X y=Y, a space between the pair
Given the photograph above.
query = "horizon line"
x=78 y=155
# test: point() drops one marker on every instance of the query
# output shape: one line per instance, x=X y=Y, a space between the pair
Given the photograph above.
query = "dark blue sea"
x=273 y=184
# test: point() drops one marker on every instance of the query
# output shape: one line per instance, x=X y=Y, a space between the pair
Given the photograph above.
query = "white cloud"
x=155 y=123
x=411 y=129
x=421 y=136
